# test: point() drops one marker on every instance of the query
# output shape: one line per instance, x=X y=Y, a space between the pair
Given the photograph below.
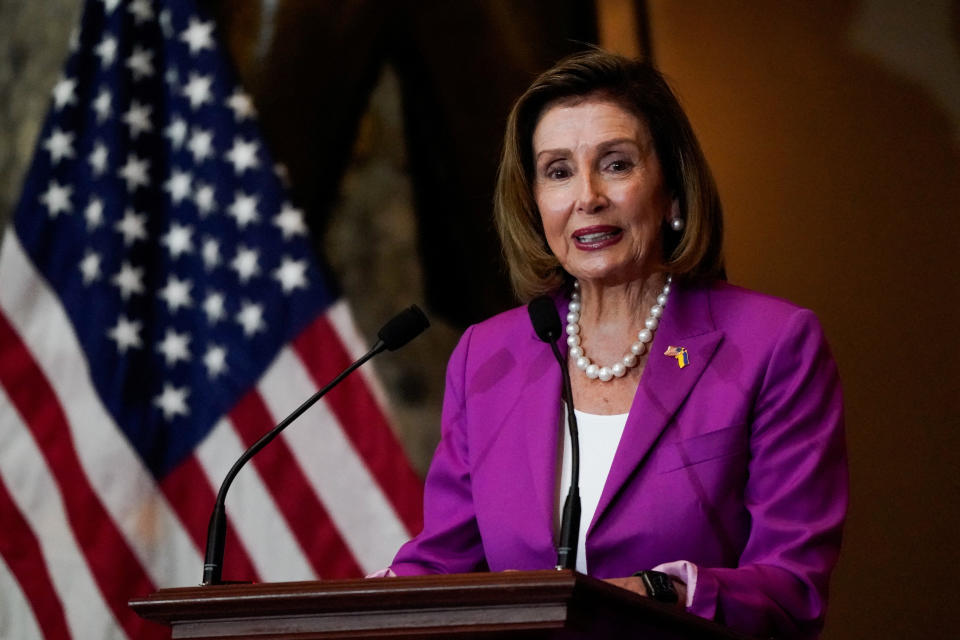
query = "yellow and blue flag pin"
x=683 y=358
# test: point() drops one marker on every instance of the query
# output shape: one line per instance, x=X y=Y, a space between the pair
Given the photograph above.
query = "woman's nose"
x=590 y=196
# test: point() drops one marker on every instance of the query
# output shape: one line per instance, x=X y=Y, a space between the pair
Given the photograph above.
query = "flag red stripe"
x=21 y=551
x=189 y=492
x=325 y=356
x=295 y=498
x=113 y=565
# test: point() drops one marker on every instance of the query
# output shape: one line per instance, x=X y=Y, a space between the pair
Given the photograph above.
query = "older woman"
x=711 y=424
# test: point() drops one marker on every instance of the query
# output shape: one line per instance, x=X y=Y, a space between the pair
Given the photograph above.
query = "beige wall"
x=832 y=129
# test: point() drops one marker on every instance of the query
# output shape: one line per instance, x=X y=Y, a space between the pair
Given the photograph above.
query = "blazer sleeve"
x=796 y=495
x=450 y=540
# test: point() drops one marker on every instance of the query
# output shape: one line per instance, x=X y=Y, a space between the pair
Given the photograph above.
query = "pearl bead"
x=656 y=310
x=593 y=371
x=583 y=362
x=604 y=374
x=645 y=336
x=573 y=316
x=618 y=369
x=574 y=306
x=629 y=360
x=666 y=289
x=637 y=348
x=651 y=323
x=573 y=329
x=576 y=352
x=573 y=341
x=662 y=299
x=677 y=224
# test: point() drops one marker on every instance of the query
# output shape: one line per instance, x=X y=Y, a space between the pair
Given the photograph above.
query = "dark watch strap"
x=659 y=586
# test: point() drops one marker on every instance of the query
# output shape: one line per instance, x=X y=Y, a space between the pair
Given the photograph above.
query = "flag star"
x=134 y=172
x=101 y=105
x=106 y=50
x=126 y=334
x=57 y=199
x=214 y=305
x=175 y=347
x=90 y=267
x=178 y=240
x=244 y=209
x=140 y=63
x=251 y=318
x=291 y=274
x=204 y=197
x=290 y=221
x=172 y=401
x=215 y=360
x=201 y=144
x=176 y=132
x=60 y=145
x=74 y=40
x=178 y=185
x=198 y=36
x=166 y=25
x=110 y=5
x=63 y=92
x=98 y=158
x=242 y=105
x=197 y=90
x=129 y=280
x=246 y=263
x=138 y=119
x=94 y=213
x=211 y=253
x=133 y=227
x=141 y=10
x=176 y=293
x=243 y=155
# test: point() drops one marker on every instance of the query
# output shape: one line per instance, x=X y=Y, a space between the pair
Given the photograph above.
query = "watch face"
x=659 y=586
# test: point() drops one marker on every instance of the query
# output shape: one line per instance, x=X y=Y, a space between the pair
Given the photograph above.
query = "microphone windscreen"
x=544 y=317
x=403 y=327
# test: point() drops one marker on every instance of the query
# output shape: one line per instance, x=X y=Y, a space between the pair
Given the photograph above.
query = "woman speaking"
x=712 y=458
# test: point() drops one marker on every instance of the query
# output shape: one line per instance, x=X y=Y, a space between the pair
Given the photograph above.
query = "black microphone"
x=398 y=331
x=546 y=324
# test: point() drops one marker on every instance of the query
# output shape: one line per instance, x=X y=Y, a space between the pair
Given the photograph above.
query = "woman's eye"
x=558 y=173
x=618 y=165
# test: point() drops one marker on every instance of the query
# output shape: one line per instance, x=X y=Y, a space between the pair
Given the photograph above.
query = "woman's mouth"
x=591 y=238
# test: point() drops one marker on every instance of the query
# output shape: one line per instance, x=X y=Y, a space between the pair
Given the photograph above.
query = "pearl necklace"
x=644 y=337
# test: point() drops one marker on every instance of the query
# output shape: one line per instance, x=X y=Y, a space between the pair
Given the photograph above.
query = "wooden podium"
x=528 y=604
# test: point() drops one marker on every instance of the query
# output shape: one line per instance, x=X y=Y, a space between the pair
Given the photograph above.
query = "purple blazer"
x=736 y=462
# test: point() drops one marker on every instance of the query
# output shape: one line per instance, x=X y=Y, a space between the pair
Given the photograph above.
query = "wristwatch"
x=659 y=586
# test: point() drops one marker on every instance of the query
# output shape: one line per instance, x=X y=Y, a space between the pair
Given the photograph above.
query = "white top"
x=599 y=438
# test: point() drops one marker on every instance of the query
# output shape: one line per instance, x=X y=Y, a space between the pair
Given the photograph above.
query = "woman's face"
x=600 y=191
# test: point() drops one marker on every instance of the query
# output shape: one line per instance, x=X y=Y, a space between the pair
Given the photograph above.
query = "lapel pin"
x=683 y=358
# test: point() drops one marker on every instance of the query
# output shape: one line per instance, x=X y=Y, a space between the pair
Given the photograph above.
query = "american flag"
x=160 y=309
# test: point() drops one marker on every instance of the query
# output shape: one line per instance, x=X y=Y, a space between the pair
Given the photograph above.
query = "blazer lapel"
x=664 y=385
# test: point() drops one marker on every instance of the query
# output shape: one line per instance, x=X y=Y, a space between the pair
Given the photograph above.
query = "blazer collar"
x=687 y=322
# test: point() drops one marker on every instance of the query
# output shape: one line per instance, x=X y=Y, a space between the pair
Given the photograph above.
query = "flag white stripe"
x=341 y=318
x=16 y=615
x=36 y=494
x=273 y=550
x=358 y=508
x=141 y=512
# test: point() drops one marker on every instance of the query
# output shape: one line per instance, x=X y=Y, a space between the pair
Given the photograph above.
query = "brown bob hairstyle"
x=695 y=253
